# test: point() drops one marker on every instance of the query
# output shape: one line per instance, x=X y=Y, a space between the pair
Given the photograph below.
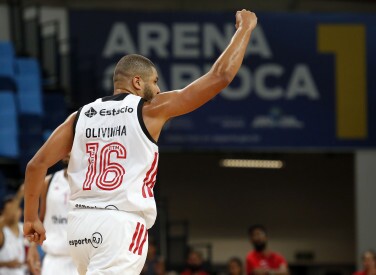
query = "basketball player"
x=54 y=215
x=12 y=249
x=114 y=157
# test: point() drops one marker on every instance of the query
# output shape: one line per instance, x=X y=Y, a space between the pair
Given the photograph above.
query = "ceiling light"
x=251 y=163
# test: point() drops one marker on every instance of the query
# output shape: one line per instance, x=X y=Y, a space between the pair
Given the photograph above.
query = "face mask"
x=259 y=247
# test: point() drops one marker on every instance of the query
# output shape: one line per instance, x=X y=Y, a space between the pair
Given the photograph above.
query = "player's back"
x=114 y=159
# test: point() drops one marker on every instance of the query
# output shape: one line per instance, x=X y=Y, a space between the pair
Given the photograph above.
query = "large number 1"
x=110 y=174
x=348 y=43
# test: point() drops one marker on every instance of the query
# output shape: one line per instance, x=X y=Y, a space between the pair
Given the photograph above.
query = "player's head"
x=258 y=237
x=195 y=260
x=137 y=74
x=11 y=217
x=235 y=266
x=369 y=259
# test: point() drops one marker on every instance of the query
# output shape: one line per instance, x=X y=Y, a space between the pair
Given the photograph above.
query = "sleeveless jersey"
x=113 y=163
x=12 y=249
x=55 y=219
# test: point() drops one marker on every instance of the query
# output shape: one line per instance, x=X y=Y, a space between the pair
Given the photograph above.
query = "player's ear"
x=137 y=82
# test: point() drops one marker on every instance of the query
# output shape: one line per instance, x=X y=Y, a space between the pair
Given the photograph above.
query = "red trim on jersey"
x=150 y=178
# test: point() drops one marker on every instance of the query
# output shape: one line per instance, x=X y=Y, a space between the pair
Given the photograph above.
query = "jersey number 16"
x=110 y=174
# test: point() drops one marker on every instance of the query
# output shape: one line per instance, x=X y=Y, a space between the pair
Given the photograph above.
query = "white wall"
x=48 y=14
x=365 y=201
x=4 y=23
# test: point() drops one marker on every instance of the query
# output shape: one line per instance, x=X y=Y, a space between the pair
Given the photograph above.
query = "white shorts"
x=107 y=241
x=58 y=265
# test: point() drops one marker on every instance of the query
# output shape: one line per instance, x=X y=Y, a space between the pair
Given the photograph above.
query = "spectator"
x=195 y=264
x=154 y=264
x=12 y=249
x=262 y=261
x=369 y=263
x=235 y=266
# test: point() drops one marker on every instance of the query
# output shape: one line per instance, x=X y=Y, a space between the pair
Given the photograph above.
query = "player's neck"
x=66 y=172
x=122 y=91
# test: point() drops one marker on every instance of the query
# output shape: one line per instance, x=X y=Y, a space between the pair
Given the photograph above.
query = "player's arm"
x=2 y=224
x=175 y=103
x=54 y=149
x=11 y=264
x=33 y=257
x=43 y=198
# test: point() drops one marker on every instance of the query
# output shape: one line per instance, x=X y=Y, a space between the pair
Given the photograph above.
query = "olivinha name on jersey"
x=107 y=132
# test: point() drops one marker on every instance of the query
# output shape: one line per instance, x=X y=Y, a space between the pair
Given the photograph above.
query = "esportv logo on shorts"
x=95 y=240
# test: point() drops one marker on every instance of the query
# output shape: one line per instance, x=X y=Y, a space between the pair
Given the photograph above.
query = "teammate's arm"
x=2 y=224
x=175 y=103
x=54 y=149
x=11 y=264
x=33 y=257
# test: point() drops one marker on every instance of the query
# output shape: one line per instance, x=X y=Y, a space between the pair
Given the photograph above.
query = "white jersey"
x=56 y=216
x=113 y=162
x=13 y=249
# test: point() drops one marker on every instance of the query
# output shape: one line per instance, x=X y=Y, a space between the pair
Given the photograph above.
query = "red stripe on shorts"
x=143 y=242
x=134 y=236
x=139 y=239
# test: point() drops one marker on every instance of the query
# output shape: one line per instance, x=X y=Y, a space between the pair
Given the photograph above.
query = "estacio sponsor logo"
x=95 y=240
x=107 y=207
x=91 y=112
x=115 y=112
x=77 y=205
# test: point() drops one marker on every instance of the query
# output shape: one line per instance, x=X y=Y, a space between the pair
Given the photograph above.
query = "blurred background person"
x=369 y=263
x=53 y=213
x=195 y=265
x=262 y=261
x=235 y=266
x=12 y=248
x=154 y=264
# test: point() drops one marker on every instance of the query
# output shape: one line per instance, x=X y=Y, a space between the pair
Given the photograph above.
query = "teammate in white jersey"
x=54 y=215
x=114 y=158
x=12 y=249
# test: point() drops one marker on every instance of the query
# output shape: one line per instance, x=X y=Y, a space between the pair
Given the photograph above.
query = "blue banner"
x=307 y=80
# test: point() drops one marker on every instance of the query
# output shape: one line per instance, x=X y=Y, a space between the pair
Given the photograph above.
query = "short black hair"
x=257 y=227
x=131 y=65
